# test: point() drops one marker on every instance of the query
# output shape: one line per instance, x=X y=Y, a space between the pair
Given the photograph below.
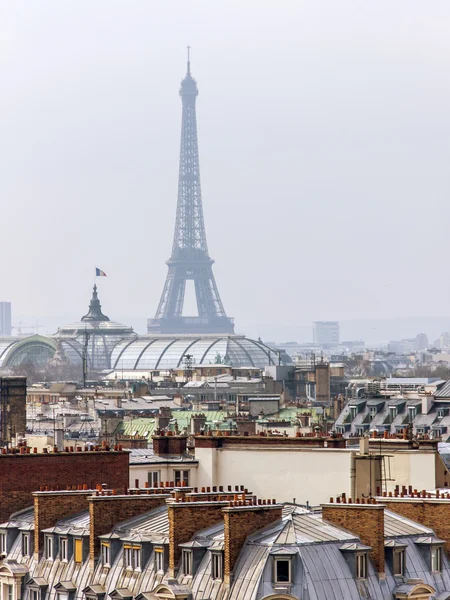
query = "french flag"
x=99 y=272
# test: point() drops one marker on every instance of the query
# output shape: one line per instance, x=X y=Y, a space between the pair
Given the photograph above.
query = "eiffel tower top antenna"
x=188 y=60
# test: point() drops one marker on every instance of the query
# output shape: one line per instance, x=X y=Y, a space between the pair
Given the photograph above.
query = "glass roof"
x=168 y=352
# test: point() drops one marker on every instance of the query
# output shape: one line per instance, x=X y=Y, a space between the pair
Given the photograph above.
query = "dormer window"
x=48 y=547
x=64 y=549
x=398 y=562
x=159 y=560
x=35 y=594
x=436 y=559
x=132 y=557
x=361 y=566
x=3 y=548
x=78 y=550
x=440 y=413
x=431 y=550
x=353 y=412
x=392 y=412
x=373 y=412
x=106 y=554
x=186 y=562
x=282 y=570
x=412 y=412
x=216 y=565
x=26 y=545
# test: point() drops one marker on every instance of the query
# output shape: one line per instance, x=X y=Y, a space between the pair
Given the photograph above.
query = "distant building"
x=5 y=318
x=326 y=332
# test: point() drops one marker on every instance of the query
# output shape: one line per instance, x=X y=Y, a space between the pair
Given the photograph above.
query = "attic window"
x=436 y=559
x=64 y=549
x=186 y=559
x=216 y=565
x=353 y=411
x=373 y=412
x=132 y=557
x=440 y=413
x=78 y=550
x=282 y=570
x=392 y=412
x=361 y=565
x=106 y=554
x=3 y=548
x=398 y=562
x=48 y=547
x=159 y=559
x=412 y=412
x=25 y=544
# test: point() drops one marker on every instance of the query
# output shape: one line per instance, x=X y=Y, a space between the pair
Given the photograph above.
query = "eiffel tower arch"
x=190 y=259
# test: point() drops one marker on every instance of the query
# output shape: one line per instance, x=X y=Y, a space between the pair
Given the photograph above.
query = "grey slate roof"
x=320 y=566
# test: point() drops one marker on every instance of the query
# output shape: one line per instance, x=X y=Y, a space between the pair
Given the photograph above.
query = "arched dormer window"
x=411 y=591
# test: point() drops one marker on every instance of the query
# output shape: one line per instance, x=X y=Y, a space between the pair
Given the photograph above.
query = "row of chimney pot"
x=344 y=500
x=253 y=501
x=27 y=449
x=204 y=490
x=164 y=487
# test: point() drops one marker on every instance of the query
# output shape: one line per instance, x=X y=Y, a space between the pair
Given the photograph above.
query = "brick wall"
x=14 y=390
x=431 y=512
x=50 y=507
x=239 y=523
x=187 y=518
x=222 y=441
x=363 y=520
x=169 y=444
x=23 y=474
x=106 y=511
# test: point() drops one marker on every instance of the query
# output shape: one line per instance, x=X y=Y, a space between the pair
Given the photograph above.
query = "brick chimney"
x=107 y=511
x=50 y=507
x=240 y=522
x=185 y=519
x=168 y=444
x=431 y=512
x=363 y=520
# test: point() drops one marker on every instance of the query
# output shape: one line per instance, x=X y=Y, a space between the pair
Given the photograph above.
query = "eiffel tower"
x=190 y=259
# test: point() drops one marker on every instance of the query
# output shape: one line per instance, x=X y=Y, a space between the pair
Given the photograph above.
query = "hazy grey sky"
x=324 y=135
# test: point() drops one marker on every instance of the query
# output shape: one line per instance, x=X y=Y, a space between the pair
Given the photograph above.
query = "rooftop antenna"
x=188 y=60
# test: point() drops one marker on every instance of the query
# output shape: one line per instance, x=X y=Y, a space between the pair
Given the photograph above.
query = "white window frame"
x=217 y=565
x=35 y=594
x=136 y=553
x=183 y=478
x=3 y=549
x=48 y=547
x=279 y=559
x=64 y=549
x=154 y=478
x=373 y=412
x=10 y=591
x=361 y=565
x=186 y=561
x=436 y=559
x=159 y=560
x=105 y=549
x=398 y=559
x=26 y=546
